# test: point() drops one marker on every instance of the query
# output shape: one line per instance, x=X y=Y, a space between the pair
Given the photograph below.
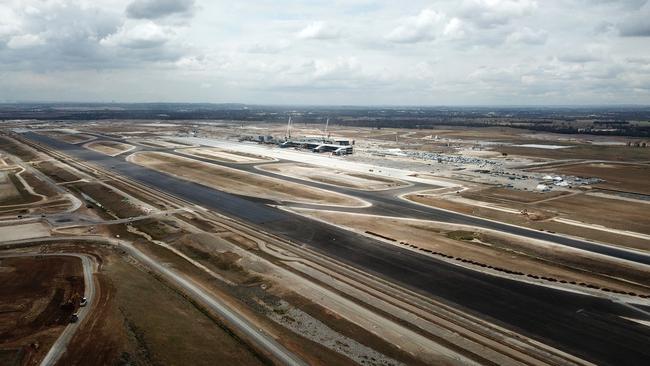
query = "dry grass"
x=613 y=213
x=521 y=220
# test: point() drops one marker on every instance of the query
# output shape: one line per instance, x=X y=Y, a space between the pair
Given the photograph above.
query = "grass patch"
x=158 y=230
x=110 y=200
x=463 y=235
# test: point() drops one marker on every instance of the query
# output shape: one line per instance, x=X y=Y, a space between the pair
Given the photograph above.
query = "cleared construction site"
x=303 y=244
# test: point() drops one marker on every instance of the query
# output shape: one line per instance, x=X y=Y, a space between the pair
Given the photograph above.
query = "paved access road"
x=591 y=328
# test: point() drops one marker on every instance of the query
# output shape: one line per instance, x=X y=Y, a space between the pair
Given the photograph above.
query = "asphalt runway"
x=590 y=328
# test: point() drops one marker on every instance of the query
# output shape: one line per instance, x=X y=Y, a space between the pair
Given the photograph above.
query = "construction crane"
x=327 y=123
x=288 y=134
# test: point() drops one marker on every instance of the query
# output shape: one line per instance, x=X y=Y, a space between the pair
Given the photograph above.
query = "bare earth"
x=623 y=177
x=578 y=214
x=24 y=231
x=110 y=148
x=240 y=182
x=500 y=195
x=622 y=214
x=7 y=188
x=31 y=297
x=366 y=182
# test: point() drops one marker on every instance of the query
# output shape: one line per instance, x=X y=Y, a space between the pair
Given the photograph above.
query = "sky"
x=327 y=52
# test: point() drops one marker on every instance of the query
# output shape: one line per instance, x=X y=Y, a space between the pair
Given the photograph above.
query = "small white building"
x=542 y=188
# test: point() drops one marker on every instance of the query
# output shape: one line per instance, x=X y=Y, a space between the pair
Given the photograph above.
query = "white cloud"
x=454 y=29
x=10 y=23
x=423 y=27
x=528 y=36
x=25 y=41
x=318 y=30
x=139 y=35
x=492 y=13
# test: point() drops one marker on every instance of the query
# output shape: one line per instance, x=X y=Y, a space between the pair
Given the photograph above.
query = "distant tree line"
x=621 y=121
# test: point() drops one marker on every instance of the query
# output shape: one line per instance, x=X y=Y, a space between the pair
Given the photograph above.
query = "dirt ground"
x=366 y=182
x=110 y=148
x=620 y=177
x=500 y=195
x=609 y=212
x=56 y=171
x=240 y=182
x=32 y=291
x=519 y=219
x=581 y=151
x=613 y=213
x=14 y=192
x=475 y=246
x=7 y=189
x=13 y=147
x=225 y=156
x=24 y=231
x=40 y=186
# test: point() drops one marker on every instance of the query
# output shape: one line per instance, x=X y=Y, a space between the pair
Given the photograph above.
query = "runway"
x=590 y=328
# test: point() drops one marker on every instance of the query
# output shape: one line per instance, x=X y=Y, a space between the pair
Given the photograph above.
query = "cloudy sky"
x=460 y=52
